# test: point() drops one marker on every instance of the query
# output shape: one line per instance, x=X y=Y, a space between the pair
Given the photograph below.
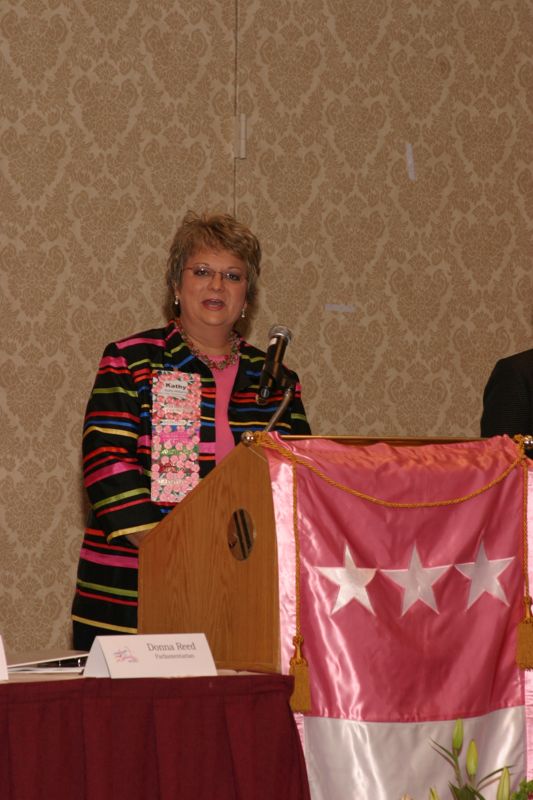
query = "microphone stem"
x=287 y=398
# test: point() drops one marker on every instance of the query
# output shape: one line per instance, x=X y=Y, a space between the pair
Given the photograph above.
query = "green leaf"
x=465 y=793
x=445 y=754
x=524 y=790
x=486 y=779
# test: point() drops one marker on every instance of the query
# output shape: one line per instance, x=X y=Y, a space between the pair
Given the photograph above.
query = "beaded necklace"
x=231 y=358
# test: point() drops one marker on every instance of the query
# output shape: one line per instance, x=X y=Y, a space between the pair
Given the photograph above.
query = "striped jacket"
x=117 y=461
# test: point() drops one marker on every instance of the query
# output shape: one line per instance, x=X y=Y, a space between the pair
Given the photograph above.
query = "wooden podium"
x=189 y=581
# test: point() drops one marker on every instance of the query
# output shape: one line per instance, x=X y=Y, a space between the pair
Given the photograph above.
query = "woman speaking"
x=167 y=405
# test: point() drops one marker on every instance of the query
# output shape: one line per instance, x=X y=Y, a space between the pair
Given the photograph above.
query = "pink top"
x=224 y=380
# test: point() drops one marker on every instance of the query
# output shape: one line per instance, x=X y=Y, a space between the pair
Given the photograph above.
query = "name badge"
x=176 y=398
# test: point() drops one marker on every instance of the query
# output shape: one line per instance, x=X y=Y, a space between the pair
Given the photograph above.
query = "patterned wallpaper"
x=387 y=173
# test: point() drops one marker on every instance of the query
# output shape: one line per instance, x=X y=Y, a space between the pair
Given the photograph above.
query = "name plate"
x=3 y=663
x=158 y=655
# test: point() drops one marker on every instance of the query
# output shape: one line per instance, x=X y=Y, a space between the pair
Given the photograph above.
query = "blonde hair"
x=216 y=232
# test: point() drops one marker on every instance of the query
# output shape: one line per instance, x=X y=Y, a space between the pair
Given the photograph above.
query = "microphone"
x=279 y=337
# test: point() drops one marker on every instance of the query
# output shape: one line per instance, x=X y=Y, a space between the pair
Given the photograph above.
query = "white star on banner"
x=351 y=581
x=483 y=574
x=417 y=582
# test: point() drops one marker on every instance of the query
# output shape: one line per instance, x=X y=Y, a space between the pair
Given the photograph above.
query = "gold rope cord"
x=525 y=631
x=525 y=551
x=265 y=440
x=524 y=641
x=301 y=696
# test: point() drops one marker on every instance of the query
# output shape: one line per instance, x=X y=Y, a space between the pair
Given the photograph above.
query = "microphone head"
x=280 y=330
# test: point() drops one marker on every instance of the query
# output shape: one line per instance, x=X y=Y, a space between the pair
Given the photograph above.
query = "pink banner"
x=408 y=614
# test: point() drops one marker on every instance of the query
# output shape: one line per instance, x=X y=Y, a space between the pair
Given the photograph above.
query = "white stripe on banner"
x=380 y=760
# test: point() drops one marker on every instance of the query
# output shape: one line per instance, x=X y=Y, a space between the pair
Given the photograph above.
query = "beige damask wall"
x=387 y=171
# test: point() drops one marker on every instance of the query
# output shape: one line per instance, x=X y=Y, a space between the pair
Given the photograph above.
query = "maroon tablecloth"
x=223 y=738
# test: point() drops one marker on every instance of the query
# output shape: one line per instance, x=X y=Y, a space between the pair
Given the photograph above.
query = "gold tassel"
x=524 y=638
x=301 y=694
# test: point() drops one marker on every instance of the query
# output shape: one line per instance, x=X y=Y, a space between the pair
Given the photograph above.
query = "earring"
x=243 y=312
x=177 y=306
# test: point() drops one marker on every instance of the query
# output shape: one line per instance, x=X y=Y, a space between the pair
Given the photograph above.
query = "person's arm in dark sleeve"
x=115 y=477
x=507 y=400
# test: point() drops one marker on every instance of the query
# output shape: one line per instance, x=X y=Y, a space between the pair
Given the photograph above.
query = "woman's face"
x=212 y=292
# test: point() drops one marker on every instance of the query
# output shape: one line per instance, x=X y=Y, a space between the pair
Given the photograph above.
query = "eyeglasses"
x=204 y=273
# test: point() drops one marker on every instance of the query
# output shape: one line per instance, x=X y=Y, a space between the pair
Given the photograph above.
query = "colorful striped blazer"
x=117 y=463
